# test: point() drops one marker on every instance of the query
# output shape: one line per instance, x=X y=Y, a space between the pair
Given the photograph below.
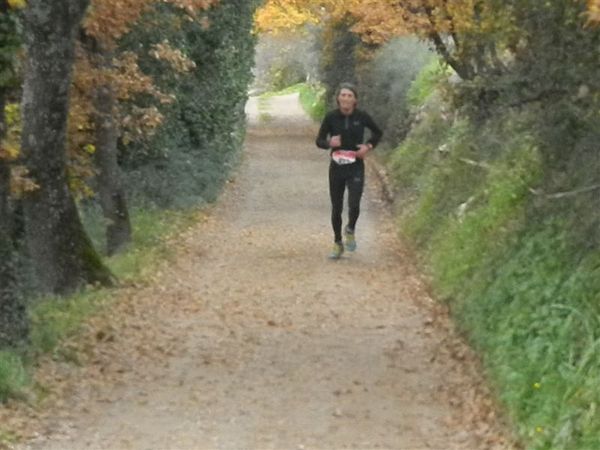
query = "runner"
x=342 y=132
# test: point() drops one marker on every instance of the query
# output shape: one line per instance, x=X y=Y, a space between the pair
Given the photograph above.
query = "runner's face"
x=346 y=100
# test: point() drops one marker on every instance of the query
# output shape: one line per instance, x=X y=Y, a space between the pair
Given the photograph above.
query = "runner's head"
x=346 y=97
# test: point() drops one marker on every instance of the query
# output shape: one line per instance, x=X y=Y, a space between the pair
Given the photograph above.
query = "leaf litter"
x=248 y=337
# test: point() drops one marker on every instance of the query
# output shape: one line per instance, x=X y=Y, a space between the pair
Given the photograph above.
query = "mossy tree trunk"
x=109 y=179
x=339 y=56
x=13 y=317
x=61 y=252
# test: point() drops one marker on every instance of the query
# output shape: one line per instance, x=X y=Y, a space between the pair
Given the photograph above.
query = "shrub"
x=427 y=80
x=13 y=376
x=536 y=322
x=285 y=60
x=339 y=56
x=386 y=81
x=189 y=158
x=312 y=98
x=521 y=288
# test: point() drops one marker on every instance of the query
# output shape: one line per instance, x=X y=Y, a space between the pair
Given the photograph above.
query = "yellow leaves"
x=175 y=57
x=17 y=4
x=20 y=182
x=10 y=146
x=192 y=7
x=78 y=184
x=10 y=149
x=128 y=80
x=593 y=12
x=8 y=152
x=276 y=16
x=90 y=149
x=375 y=21
x=378 y=21
x=140 y=124
x=12 y=114
x=107 y=21
x=80 y=166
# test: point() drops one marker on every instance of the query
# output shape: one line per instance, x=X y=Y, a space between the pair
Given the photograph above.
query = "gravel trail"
x=251 y=339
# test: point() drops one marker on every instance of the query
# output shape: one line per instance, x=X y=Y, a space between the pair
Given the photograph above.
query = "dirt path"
x=252 y=339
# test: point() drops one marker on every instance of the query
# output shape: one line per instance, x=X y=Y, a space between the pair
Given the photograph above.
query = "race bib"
x=343 y=157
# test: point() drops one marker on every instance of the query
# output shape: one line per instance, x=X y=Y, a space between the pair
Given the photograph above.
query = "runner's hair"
x=345 y=85
x=349 y=86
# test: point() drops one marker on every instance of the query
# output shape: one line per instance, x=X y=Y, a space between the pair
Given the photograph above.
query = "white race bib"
x=343 y=157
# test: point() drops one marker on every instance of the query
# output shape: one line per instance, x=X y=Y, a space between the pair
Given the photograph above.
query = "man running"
x=342 y=132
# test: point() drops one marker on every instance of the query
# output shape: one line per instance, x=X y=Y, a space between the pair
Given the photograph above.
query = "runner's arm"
x=376 y=132
x=323 y=136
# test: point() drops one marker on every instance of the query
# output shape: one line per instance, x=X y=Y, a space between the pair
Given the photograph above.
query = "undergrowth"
x=54 y=319
x=312 y=98
x=520 y=287
x=13 y=376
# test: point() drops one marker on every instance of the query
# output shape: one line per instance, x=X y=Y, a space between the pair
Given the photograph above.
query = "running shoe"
x=336 y=251
x=350 y=240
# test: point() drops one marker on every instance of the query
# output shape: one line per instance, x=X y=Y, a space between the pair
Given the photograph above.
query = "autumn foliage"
x=464 y=32
x=594 y=11
x=504 y=162
x=99 y=63
x=375 y=21
x=124 y=84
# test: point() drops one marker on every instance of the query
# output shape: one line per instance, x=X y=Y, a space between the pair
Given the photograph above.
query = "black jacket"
x=351 y=128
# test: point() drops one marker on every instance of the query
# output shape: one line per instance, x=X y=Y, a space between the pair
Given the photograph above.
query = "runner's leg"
x=337 y=184
x=355 y=189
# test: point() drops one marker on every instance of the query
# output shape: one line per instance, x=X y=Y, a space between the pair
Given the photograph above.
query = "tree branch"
x=442 y=49
x=453 y=33
x=564 y=194
x=536 y=98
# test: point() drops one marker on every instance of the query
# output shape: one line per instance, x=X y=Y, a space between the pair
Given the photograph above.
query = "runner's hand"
x=363 y=149
x=335 y=141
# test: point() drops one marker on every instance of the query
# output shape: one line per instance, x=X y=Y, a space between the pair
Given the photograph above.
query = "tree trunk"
x=13 y=317
x=109 y=182
x=61 y=252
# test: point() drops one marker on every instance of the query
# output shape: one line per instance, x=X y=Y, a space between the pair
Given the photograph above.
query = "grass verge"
x=54 y=319
x=520 y=287
x=312 y=98
x=13 y=376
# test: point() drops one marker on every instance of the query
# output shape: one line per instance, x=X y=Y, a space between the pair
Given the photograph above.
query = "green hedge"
x=537 y=322
x=54 y=319
x=512 y=268
x=386 y=83
x=183 y=165
x=190 y=157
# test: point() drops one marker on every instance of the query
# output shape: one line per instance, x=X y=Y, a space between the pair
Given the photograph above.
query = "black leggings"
x=340 y=177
